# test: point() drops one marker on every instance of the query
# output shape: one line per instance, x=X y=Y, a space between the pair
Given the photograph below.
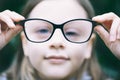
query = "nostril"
x=61 y=46
x=52 y=46
x=57 y=47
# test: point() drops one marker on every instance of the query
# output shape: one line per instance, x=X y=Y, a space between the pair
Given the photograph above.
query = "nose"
x=57 y=41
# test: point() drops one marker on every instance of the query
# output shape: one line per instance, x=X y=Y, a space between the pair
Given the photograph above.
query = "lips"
x=57 y=59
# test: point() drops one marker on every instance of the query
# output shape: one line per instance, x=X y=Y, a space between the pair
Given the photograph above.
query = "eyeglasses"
x=75 y=31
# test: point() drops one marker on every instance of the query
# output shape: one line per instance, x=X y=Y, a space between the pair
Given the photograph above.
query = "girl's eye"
x=43 y=31
x=71 y=33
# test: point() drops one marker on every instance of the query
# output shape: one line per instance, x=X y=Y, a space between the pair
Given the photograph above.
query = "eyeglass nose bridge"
x=58 y=27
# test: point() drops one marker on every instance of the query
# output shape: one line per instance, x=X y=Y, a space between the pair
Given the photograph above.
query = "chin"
x=55 y=72
x=54 y=78
x=55 y=75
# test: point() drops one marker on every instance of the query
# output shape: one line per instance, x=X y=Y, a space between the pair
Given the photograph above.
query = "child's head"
x=67 y=49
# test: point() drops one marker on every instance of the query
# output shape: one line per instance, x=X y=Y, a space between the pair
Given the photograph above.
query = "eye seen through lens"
x=38 y=30
x=78 y=31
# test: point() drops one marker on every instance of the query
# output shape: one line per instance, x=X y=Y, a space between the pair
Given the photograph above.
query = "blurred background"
x=109 y=63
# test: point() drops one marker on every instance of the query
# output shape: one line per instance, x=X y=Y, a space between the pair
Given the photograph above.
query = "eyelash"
x=71 y=33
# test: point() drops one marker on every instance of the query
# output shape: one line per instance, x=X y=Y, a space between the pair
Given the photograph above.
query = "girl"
x=58 y=40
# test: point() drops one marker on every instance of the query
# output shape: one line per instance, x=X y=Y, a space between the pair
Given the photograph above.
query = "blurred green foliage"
x=13 y=5
x=104 y=6
x=110 y=64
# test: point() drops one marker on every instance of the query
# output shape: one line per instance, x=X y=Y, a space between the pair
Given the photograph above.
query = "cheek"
x=77 y=59
x=36 y=54
x=78 y=54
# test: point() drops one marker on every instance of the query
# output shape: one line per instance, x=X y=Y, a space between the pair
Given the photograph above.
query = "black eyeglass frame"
x=56 y=26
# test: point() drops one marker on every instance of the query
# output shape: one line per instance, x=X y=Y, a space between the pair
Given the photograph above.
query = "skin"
x=59 y=46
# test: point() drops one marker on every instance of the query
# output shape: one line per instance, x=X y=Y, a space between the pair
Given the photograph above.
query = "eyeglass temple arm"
x=96 y=24
x=19 y=23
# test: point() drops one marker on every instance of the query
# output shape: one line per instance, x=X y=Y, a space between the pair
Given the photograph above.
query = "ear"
x=24 y=44
x=90 y=46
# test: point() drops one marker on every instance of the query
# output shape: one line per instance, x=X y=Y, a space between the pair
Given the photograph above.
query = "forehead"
x=58 y=11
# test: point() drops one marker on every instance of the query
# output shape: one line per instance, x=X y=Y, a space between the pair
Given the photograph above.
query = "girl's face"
x=57 y=58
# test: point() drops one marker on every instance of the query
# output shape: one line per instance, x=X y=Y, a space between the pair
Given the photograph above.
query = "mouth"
x=53 y=59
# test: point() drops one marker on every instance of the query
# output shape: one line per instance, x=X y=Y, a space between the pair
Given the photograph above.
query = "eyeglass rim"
x=22 y=22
